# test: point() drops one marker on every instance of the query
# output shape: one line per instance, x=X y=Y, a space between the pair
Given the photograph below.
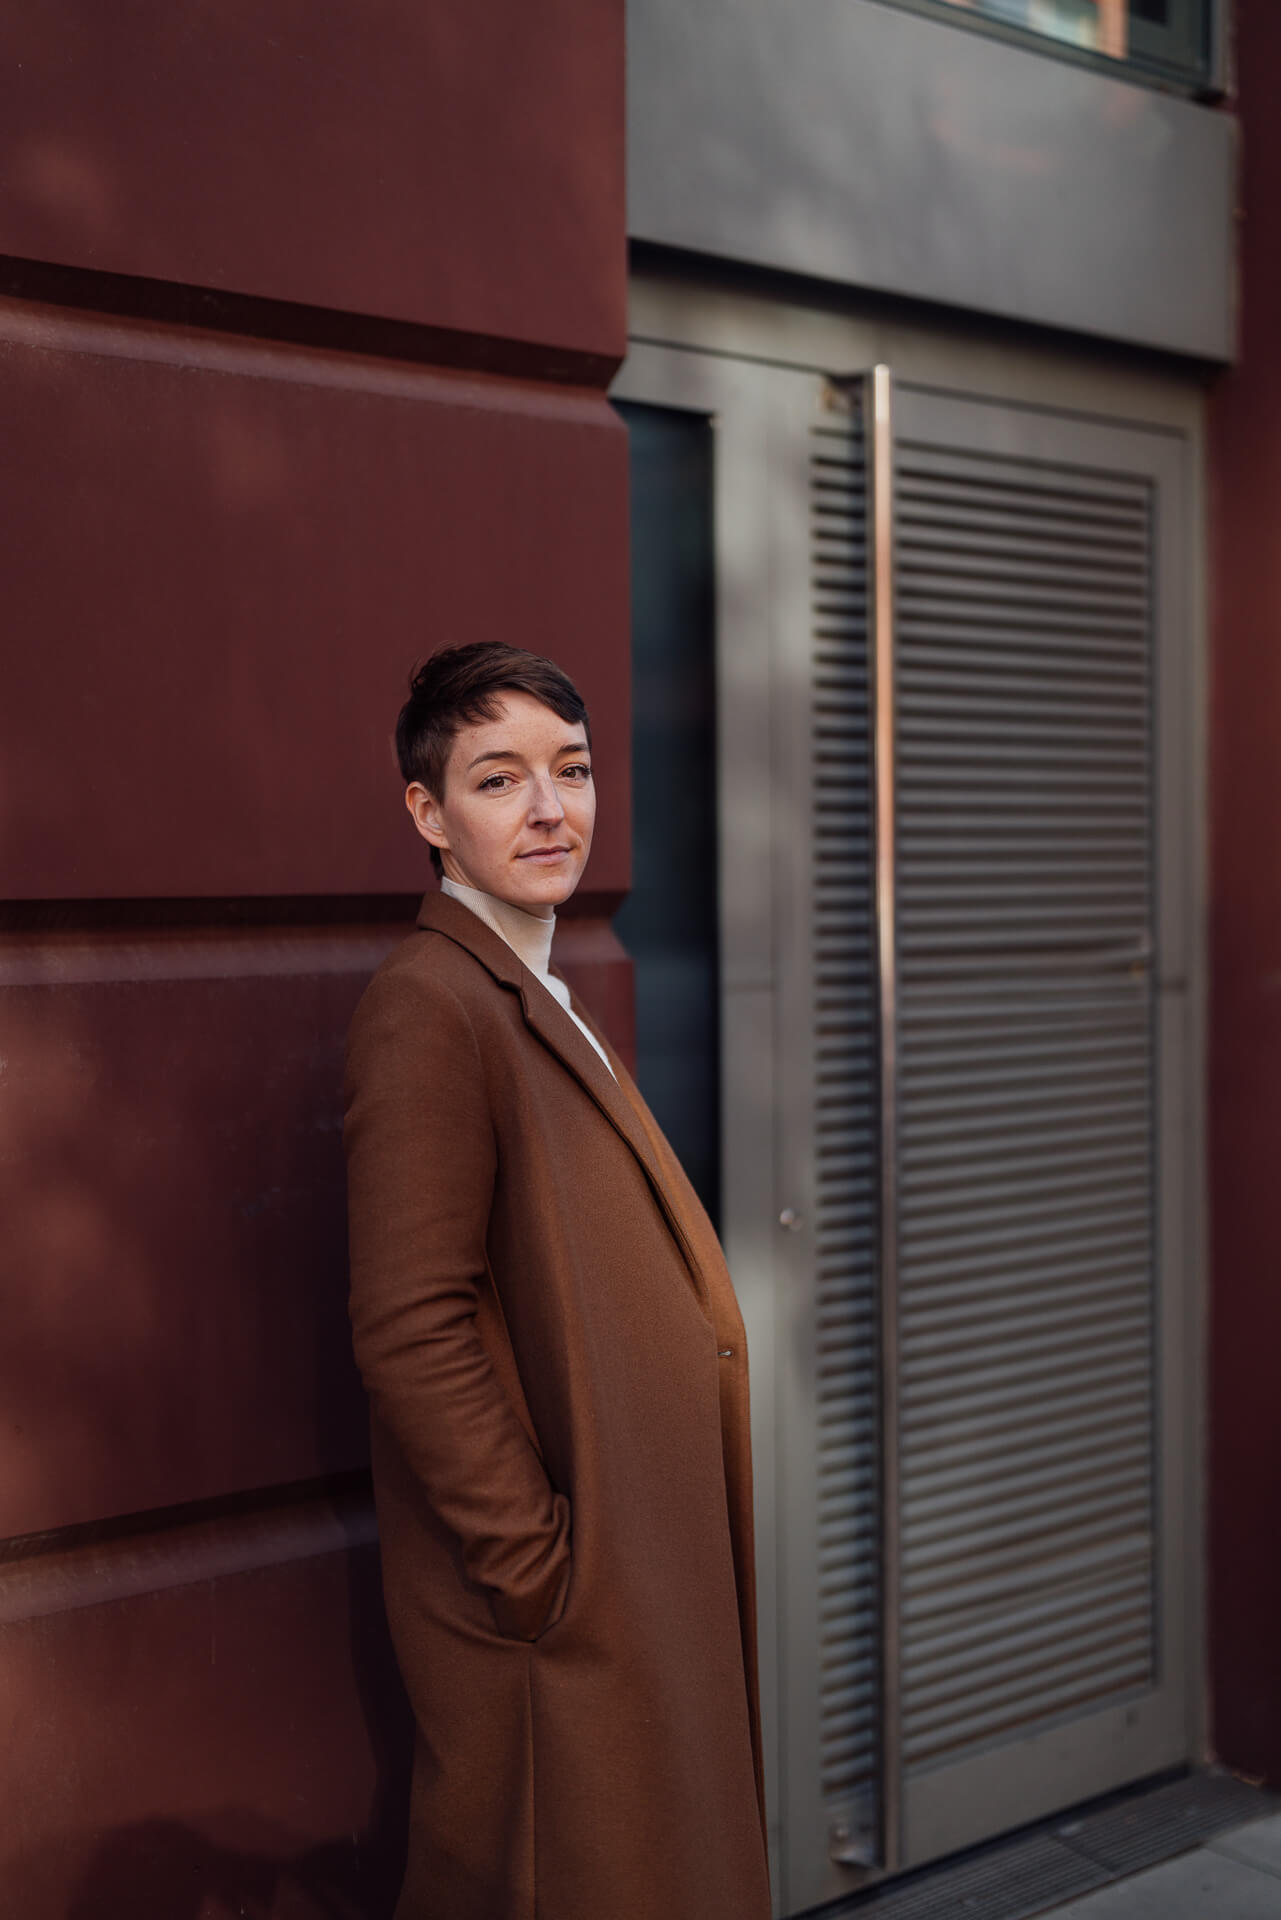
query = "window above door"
x=1167 y=41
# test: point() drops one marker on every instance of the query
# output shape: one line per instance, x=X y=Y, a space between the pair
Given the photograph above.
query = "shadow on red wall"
x=1245 y=955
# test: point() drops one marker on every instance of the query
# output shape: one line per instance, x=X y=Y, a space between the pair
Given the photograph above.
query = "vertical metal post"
x=880 y=420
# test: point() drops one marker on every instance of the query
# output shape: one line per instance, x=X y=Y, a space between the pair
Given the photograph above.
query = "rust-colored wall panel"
x=174 y=1259
x=233 y=1744
x=447 y=164
x=1245 y=953
x=220 y=560
x=220 y=557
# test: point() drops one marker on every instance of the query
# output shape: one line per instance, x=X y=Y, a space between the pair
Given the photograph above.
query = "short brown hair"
x=459 y=686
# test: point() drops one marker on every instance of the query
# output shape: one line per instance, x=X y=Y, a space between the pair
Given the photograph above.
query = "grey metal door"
x=982 y=979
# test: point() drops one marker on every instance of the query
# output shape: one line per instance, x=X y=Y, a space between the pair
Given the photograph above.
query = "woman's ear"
x=425 y=812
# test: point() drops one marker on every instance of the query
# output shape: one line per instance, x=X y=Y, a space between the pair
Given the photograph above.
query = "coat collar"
x=613 y=1094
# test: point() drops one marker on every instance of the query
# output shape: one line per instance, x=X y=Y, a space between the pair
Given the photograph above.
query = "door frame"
x=752 y=410
x=755 y=367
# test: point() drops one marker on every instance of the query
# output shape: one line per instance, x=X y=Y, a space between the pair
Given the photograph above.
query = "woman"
x=557 y=1372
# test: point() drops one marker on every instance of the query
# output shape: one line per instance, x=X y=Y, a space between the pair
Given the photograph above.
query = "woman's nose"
x=545 y=804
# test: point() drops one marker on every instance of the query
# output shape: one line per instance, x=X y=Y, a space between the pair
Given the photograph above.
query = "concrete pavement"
x=1235 y=1876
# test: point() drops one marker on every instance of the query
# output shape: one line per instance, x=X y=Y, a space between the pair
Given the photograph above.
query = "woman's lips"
x=545 y=855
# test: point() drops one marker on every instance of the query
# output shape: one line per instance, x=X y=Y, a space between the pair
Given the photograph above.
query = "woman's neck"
x=529 y=935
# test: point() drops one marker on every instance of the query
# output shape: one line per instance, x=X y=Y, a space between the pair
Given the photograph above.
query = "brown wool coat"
x=541 y=1313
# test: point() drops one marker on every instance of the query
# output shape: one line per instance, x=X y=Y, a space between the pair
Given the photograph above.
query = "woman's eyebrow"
x=500 y=753
x=509 y=753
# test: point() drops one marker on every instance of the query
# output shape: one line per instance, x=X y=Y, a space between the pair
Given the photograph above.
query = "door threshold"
x=1088 y=1847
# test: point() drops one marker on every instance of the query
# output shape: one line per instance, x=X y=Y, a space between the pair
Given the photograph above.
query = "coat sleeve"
x=421 y=1163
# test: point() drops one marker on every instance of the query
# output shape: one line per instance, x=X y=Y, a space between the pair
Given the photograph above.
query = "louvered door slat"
x=1024 y=853
x=845 y=1142
x=975 y=1584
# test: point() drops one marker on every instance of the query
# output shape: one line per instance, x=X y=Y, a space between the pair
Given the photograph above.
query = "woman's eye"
x=494 y=783
x=578 y=773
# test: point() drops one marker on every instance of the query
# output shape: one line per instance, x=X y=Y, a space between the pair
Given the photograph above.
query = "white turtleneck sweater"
x=529 y=938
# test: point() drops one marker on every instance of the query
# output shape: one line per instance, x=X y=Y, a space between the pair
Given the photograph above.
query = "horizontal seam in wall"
x=181 y=1555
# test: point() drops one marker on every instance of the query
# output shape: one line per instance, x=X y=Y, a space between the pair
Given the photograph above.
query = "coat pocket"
x=533 y=1599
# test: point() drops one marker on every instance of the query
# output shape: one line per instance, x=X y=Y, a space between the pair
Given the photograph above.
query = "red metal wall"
x=305 y=315
x=1245 y=1012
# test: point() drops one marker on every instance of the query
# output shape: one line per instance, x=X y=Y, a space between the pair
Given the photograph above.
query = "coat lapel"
x=628 y=1116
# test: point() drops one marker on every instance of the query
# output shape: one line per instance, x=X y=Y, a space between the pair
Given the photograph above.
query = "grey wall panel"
x=862 y=145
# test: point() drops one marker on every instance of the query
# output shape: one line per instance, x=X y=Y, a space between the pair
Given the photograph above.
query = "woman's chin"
x=539 y=885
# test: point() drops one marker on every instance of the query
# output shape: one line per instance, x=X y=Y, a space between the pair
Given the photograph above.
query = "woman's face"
x=518 y=808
